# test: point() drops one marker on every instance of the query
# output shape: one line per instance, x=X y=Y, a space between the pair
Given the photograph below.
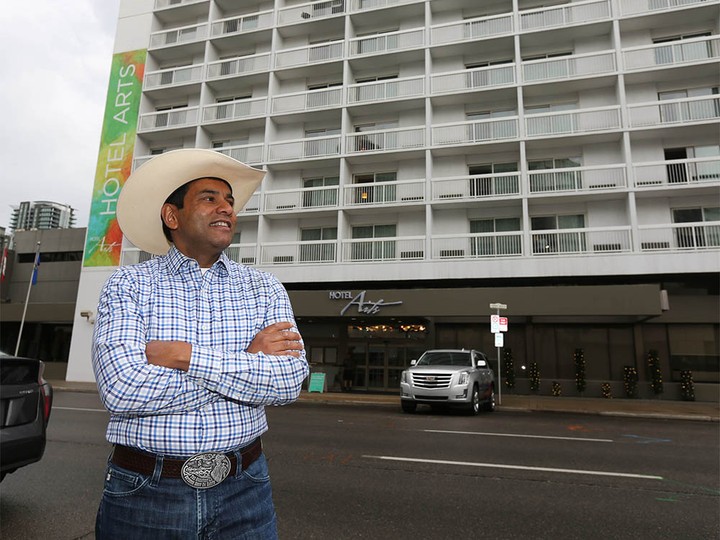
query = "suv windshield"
x=445 y=358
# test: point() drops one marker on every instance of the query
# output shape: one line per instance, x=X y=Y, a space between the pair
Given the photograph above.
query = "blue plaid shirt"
x=218 y=404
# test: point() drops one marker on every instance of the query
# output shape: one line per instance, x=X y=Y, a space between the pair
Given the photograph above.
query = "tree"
x=580 y=381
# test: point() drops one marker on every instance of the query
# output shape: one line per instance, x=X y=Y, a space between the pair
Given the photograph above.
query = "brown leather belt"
x=144 y=462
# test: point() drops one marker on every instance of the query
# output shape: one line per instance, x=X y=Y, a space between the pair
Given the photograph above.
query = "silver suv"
x=457 y=377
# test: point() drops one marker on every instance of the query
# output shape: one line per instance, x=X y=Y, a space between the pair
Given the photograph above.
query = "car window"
x=445 y=358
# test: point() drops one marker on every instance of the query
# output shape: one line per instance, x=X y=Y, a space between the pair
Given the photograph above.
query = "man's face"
x=205 y=225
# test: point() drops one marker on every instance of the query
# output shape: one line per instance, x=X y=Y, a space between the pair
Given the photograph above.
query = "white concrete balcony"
x=252 y=206
x=573 y=122
x=313 y=54
x=383 y=249
x=378 y=193
x=242 y=65
x=242 y=253
x=371 y=92
x=569 y=67
x=478 y=131
x=570 y=14
x=238 y=25
x=161 y=4
x=680 y=237
x=133 y=255
x=311 y=100
x=365 y=5
x=247 y=153
x=170 y=119
x=476 y=186
x=677 y=173
x=390 y=42
x=311 y=11
x=635 y=7
x=684 y=52
x=675 y=111
x=178 y=76
x=312 y=147
x=472 y=29
x=385 y=140
x=473 y=79
x=477 y=245
x=577 y=179
x=321 y=251
x=288 y=200
x=235 y=110
x=590 y=241
x=179 y=36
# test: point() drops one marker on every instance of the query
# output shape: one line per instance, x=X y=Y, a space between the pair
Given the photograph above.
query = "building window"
x=488 y=243
x=555 y=241
x=315 y=246
x=689 y=109
x=374 y=248
x=324 y=145
x=701 y=233
x=484 y=183
x=321 y=197
x=555 y=180
x=677 y=51
x=365 y=193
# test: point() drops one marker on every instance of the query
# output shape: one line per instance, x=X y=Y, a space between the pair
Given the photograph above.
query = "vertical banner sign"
x=104 y=239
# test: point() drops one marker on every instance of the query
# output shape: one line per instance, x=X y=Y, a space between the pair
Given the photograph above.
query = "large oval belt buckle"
x=205 y=470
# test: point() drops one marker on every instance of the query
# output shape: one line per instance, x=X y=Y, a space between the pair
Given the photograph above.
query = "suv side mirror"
x=482 y=363
x=413 y=362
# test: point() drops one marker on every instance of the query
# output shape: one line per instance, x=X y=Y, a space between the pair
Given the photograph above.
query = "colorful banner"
x=104 y=238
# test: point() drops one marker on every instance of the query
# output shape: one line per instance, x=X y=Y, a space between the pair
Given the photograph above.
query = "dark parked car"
x=25 y=404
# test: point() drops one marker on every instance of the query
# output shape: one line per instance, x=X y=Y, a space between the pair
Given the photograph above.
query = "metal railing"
x=632 y=7
x=173 y=118
x=311 y=11
x=160 y=4
x=677 y=172
x=247 y=153
x=311 y=147
x=320 y=251
x=597 y=241
x=686 y=51
x=477 y=245
x=572 y=122
x=179 y=36
x=680 y=237
x=285 y=200
x=246 y=23
x=301 y=56
x=473 y=79
x=386 y=90
x=235 y=110
x=385 y=140
x=307 y=101
x=569 y=67
x=475 y=132
x=675 y=111
x=362 y=5
x=375 y=193
x=577 y=179
x=476 y=186
x=383 y=249
x=383 y=43
x=242 y=65
x=472 y=29
x=132 y=255
x=565 y=15
x=173 y=77
x=242 y=253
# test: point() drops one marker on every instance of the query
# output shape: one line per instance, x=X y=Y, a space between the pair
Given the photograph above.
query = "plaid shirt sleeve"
x=127 y=384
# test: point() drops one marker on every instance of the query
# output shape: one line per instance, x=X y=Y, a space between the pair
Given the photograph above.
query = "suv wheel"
x=408 y=406
x=474 y=407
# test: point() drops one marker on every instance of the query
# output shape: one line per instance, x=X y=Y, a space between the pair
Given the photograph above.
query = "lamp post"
x=495 y=329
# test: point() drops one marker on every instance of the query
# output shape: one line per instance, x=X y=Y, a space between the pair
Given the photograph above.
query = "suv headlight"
x=404 y=377
x=464 y=377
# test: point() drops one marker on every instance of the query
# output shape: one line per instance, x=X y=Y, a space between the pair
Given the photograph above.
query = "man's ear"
x=168 y=213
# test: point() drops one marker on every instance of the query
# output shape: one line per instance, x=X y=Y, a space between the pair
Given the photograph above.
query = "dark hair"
x=177 y=199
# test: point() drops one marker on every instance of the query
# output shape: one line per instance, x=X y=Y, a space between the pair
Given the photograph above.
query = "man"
x=189 y=347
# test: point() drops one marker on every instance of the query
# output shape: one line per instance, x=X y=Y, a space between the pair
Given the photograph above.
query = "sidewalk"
x=639 y=408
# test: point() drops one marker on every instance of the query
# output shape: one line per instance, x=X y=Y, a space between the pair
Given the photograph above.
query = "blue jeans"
x=138 y=507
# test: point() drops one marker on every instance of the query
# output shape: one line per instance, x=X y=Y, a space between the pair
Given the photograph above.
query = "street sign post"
x=498 y=325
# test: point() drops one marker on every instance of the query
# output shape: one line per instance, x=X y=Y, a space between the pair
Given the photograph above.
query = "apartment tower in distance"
x=426 y=159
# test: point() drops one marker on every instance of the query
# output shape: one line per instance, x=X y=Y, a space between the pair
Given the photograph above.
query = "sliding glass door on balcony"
x=318 y=244
x=374 y=248
x=554 y=240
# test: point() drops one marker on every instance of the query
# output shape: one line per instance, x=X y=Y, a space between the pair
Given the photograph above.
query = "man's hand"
x=277 y=339
x=169 y=354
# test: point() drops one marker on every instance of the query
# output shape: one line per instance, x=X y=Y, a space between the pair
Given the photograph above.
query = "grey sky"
x=56 y=58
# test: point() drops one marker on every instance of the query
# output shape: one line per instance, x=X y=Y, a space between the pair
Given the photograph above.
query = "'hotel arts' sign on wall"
x=364 y=307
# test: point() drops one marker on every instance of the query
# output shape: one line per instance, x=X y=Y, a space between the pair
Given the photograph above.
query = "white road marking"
x=77 y=409
x=516 y=435
x=515 y=467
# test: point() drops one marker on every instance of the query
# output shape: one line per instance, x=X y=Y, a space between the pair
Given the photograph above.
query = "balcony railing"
x=597 y=241
x=132 y=255
x=683 y=52
x=287 y=200
x=472 y=29
x=632 y=7
x=312 y=147
x=242 y=253
x=680 y=172
x=246 y=23
x=247 y=153
x=235 y=110
x=302 y=56
x=173 y=77
x=175 y=118
x=572 y=122
x=179 y=36
x=307 y=101
x=311 y=11
x=362 y=5
x=160 y=4
x=473 y=79
x=476 y=246
x=675 y=111
x=568 y=67
x=320 y=251
x=680 y=237
x=475 y=132
x=476 y=186
x=242 y=65
x=376 y=193
x=383 y=249
x=386 y=140
x=565 y=15
x=386 y=90
x=383 y=43
x=577 y=179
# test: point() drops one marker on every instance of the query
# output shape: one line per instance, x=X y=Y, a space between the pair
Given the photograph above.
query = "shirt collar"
x=176 y=260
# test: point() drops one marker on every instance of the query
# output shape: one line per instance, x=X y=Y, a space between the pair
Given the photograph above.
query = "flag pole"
x=36 y=260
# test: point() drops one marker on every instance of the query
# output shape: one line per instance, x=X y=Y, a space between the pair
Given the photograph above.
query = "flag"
x=4 y=264
x=36 y=265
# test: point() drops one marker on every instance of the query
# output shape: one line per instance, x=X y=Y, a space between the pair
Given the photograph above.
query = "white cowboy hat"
x=147 y=188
